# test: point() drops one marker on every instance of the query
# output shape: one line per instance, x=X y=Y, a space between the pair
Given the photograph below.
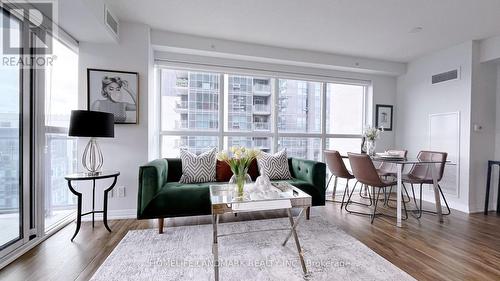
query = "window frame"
x=40 y=131
x=221 y=133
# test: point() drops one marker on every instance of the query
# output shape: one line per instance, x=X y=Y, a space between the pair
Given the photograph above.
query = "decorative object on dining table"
x=392 y=155
x=383 y=116
x=371 y=134
x=363 y=145
x=93 y=124
x=239 y=159
x=115 y=92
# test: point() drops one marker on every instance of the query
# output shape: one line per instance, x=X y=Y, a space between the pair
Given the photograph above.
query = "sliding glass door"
x=11 y=143
x=60 y=151
x=35 y=152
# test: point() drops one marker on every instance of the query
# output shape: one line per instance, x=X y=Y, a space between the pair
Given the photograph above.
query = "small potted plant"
x=239 y=159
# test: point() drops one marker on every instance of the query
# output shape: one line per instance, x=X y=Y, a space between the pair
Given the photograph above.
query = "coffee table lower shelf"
x=291 y=232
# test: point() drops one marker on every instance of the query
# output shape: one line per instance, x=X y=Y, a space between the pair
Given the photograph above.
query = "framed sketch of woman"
x=115 y=92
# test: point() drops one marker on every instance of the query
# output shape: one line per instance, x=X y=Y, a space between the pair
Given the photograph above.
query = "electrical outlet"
x=121 y=191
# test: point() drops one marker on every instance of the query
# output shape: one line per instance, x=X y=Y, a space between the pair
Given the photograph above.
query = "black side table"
x=93 y=178
x=488 y=182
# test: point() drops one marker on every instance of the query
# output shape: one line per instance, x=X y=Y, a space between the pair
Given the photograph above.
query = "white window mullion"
x=222 y=122
x=158 y=107
x=275 y=99
x=323 y=119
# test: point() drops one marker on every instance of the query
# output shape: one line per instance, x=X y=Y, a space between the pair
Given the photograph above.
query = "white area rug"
x=185 y=253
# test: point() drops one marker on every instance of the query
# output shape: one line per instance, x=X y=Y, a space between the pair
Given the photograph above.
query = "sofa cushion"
x=224 y=172
x=275 y=166
x=198 y=168
x=177 y=199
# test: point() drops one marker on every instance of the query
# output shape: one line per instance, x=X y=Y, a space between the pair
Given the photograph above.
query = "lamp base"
x=92 y=159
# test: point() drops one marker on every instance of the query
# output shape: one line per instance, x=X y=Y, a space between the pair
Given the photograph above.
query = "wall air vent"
x=111 y=22
x=445 y=76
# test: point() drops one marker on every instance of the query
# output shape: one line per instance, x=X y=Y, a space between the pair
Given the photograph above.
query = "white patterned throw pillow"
x=274 y=166
x=198 y=168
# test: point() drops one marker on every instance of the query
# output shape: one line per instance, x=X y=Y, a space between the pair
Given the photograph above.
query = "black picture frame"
x=127 y=79
x=380 y=119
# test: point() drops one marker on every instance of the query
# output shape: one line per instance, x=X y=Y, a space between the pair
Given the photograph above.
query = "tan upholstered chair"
x=337 y=169
x=421 y=174
x=366 y=173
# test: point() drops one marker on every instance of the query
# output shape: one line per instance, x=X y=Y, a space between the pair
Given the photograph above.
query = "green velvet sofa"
x=162 y=196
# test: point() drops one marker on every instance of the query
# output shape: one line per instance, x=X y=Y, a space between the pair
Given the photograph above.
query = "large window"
x=60 y=158
x=200 y=110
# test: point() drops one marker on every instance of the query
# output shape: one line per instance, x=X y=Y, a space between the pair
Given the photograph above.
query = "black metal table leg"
x=488 y=182
x=498 y=192
x=93 y=202
x=79 y=210
x=93 y=177
x=105 y=207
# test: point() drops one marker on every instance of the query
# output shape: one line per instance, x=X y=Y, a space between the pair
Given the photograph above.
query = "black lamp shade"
x=85 y=123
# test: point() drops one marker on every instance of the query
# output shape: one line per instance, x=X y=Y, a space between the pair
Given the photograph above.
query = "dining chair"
x=337 y=169
x=421 y=174
x=365 y=172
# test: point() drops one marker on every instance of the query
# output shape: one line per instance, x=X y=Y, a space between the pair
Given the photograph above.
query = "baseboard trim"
x=115 y=215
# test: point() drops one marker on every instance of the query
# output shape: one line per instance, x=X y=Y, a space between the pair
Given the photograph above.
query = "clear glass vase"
x=370 y=147
x=240 y=180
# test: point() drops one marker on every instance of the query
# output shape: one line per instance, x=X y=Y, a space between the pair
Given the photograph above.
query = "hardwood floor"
x=464 y=247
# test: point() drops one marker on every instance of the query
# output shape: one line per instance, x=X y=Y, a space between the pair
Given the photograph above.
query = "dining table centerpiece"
x=239 y=159
x=371 y=134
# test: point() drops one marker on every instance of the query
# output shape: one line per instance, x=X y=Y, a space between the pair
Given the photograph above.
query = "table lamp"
x=93 y=124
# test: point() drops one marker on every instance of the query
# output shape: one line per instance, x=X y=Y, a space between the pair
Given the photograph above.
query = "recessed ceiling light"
x=416 y=29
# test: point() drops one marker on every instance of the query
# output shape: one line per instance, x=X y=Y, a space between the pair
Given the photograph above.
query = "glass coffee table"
x=274 y=197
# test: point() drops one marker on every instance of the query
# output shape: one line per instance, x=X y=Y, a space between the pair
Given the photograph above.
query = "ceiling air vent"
x=111 y=22
x=445 y=76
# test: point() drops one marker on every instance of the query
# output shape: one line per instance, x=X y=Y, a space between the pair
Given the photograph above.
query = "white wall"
x=474 y=95
x=417 y=98
x=214 y=47
x=483 y=113
x=129 y=149
x=494 y=191
x=384 y=92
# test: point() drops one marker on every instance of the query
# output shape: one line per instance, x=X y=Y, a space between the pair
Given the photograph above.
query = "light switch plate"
x=121 y=191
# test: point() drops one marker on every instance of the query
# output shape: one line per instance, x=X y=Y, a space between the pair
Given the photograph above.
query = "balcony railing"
x=261 y=88
x=261 y=126
x=261 y=143
x=181 y=105
x=182 y=82
x=265 y=108
x=181 y=124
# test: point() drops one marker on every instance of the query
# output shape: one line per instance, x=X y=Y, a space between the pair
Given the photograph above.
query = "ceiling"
x=378 y=29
